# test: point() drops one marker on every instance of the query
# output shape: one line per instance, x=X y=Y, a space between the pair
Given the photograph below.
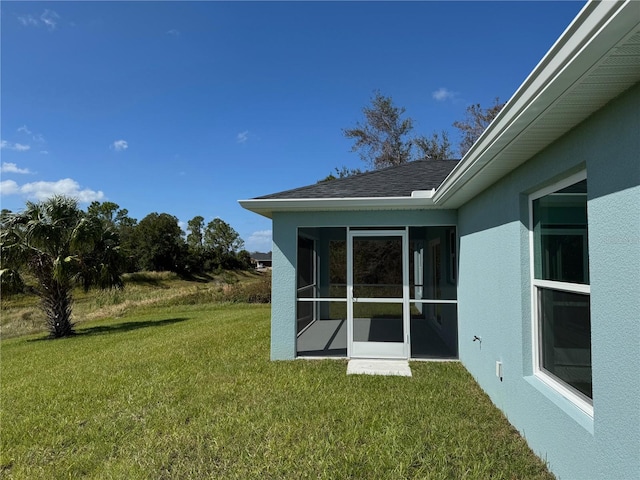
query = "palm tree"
x=57 y=243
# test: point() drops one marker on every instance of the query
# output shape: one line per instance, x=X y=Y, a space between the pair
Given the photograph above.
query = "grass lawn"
x=188 y=391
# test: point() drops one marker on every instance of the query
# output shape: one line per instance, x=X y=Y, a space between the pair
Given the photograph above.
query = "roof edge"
x=596 y=19
x=266 y=207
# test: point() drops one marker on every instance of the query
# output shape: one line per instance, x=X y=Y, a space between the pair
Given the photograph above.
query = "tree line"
x=61 y=246
x=155 y=243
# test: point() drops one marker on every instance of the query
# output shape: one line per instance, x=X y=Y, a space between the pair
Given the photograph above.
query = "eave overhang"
x=595 y=59
x=266 y=207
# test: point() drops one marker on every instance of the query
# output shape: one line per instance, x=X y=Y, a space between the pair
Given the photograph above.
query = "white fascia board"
x=596 y=29
x=266 y=207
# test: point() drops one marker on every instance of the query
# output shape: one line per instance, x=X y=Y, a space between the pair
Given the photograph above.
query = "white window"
x=560 y=289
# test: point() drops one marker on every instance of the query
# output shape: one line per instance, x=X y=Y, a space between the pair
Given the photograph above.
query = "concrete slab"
x=359 y=366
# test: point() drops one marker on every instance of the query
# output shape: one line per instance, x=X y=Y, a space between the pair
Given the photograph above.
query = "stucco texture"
x=494 y=297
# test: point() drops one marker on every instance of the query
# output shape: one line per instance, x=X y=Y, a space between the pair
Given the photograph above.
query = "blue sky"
x=185 y=108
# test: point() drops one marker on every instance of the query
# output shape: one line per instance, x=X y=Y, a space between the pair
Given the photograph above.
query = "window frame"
x=453 y=257
x=312 y=286
x=578 y=399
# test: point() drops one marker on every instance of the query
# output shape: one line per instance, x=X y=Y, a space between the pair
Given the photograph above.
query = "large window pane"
x=565 y=337
x=563 y=255
x=560 y=230
x=561 y=279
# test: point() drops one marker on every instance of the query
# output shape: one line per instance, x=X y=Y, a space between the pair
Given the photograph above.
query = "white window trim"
x=563 y=286
x=570 y=394
x=565 y=182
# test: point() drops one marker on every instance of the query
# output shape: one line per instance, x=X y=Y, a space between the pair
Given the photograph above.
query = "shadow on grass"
x=118 y=328
x=128 y=326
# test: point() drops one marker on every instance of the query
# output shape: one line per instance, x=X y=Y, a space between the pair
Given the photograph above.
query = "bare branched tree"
x=476 y=121
x=383 y=139
x=436 y=147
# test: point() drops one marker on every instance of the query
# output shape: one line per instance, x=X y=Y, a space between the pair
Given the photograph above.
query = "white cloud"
x=12 y=168
x=48 y=18
x=120 y=145
x=9 y=187
x=443 y=94
x=37 y=137
x=18 y=147
x=44 y=152
x=27 y=20
x=173 y=32
x=259 y=241
x=43 y=190
x=242 y=137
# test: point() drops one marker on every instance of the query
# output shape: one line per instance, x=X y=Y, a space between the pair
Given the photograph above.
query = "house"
x=261 y=260
x=522 y=260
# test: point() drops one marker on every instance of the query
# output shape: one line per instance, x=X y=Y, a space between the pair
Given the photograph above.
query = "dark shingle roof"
x=261 y=257
x=397 y=181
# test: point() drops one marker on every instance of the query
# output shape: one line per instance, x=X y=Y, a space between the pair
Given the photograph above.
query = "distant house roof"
x=261 y=257
x=398 y=181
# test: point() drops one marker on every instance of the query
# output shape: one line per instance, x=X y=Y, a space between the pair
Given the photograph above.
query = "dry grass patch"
x=21 y=314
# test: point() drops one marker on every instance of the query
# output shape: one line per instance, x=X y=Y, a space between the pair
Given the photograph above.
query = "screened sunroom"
x=376 y=292
x=364 y=267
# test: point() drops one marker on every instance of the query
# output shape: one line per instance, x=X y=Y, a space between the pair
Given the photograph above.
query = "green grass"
x=188 y=391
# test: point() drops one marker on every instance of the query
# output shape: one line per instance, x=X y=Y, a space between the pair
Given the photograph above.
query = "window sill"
x=578 y=414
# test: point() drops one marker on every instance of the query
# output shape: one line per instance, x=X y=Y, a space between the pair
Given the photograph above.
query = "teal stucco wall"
x=285 y=241
x=494 y=297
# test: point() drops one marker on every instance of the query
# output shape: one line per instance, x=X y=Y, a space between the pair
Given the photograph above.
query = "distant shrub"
x=252 y=292
x=149 y=278
x=11 y=281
